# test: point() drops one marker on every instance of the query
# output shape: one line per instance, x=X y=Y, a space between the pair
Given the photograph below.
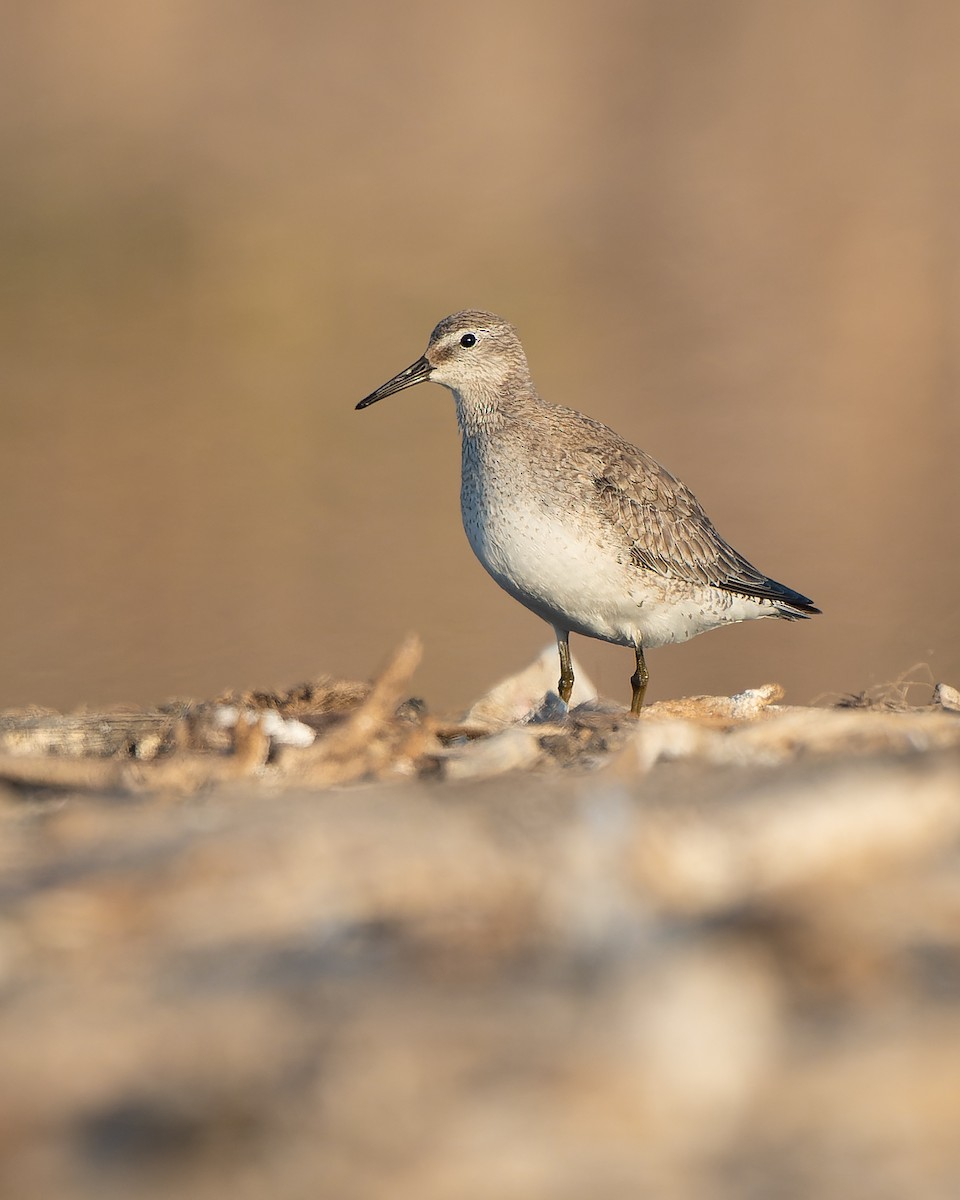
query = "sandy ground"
x=324 y=944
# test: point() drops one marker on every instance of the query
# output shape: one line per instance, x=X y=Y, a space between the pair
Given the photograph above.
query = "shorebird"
x=585 y=530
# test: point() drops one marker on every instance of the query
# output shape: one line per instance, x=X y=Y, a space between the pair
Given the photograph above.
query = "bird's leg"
x=565 y=686
x=638 y=681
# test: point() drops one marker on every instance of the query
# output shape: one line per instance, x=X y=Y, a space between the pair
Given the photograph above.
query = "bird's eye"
x=468 y=340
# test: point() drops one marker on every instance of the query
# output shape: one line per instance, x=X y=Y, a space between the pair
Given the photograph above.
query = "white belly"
x=585 y=581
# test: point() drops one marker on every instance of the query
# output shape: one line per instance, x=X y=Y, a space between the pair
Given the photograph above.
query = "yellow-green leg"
x=638 y=680
x=565 y=686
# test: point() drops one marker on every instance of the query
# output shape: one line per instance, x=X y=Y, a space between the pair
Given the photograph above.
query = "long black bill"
x=416 y=373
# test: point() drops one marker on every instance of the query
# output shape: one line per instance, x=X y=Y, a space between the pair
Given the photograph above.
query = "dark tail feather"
x=791 y=613
x=791 y=604
x=795 y=606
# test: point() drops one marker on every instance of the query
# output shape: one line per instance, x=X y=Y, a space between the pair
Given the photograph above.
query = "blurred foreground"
x=712 y=953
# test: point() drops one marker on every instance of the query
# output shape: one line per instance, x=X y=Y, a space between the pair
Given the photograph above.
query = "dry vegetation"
x=322 y=942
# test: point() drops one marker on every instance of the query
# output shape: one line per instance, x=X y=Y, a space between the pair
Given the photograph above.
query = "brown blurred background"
x=732 y=231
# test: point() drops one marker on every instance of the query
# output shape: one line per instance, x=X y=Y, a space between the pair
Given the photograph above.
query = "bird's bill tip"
x=416 y=373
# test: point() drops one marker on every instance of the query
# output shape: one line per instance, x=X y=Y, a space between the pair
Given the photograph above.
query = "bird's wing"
x=668 y=531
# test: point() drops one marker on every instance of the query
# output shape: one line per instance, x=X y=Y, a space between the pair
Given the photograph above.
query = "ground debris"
x=328 y=733
x=323 y=733
x=574 y=954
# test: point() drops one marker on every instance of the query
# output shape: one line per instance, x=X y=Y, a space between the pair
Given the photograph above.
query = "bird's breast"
x=542 y=550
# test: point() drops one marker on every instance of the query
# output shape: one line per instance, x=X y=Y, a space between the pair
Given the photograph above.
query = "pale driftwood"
x=92 y=735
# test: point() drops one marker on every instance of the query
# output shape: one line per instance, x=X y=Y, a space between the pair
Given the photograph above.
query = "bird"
x=584 y=529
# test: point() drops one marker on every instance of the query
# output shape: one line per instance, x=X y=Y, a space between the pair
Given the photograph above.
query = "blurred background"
x=731 y=231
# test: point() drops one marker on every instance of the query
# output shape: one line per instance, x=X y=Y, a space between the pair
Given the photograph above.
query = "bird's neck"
x=484 y=409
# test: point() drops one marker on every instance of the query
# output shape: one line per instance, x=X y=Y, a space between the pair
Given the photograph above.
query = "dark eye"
x=468 y=340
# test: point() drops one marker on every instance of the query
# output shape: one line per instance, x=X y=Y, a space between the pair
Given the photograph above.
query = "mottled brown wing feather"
x=670 y=533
